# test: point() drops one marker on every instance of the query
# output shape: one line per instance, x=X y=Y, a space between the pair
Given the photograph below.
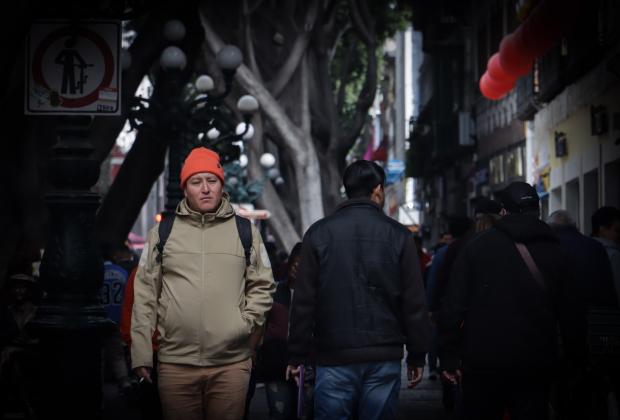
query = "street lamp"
x=243 y=190
x=183 y=123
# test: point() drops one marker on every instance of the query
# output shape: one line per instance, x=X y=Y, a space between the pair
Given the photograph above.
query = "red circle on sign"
x=37 y=63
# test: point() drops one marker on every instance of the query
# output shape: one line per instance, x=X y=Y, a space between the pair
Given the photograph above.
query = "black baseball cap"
x=520 y=197
x=485 y=205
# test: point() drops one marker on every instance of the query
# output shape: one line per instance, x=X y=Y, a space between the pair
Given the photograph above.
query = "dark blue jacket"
x=591 y=265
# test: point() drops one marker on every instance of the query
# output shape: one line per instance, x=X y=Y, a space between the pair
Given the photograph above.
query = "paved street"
x=423 y=402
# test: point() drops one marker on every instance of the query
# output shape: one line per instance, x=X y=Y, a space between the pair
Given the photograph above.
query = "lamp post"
x=193 y=116
x=173 y=61
x=184 y=123
x=71 y=322
x=240 y=188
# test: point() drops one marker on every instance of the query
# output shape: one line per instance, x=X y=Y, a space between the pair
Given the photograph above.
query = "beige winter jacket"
x=201 y=298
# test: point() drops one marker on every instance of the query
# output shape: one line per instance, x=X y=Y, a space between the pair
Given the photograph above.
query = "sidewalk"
x=422 y=402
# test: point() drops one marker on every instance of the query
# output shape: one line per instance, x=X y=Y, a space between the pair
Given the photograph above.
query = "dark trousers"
x=490 y=396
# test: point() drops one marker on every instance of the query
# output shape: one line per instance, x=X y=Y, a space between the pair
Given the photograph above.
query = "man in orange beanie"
x=207 y=291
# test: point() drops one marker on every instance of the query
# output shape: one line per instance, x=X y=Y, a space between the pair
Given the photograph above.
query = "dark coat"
x=359 y=294
x=591 y=264
x=496 y=317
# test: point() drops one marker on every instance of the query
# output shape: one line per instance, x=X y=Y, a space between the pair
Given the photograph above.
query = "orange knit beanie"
x=200 y=160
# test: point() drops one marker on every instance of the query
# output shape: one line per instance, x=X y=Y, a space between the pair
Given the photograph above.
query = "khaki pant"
x=199 y=393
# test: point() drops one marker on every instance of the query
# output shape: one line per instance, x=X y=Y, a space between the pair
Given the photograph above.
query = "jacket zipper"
x=202 y=282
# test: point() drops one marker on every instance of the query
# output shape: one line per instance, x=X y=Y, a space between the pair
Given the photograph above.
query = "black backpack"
x=243 y=227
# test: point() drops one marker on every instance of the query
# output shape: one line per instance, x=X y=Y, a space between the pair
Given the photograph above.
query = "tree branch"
x=365 y=100
x=305 y=98
x=321 y=100
x=144 y=52
x=280 y=220
x=329 y=15
x=252 y=9
x=290 y=133
x=360 y=26
x=331 y=51
x=285 y=73
x=366 y=16
x=307 y=171
x=249 y=43
x=142 y=166
x=345 y=77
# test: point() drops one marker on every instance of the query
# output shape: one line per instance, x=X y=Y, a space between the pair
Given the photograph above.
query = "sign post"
x=73 y=68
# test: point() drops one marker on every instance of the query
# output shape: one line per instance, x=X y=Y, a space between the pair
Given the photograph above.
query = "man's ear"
x=503 y=212
x=377 y=194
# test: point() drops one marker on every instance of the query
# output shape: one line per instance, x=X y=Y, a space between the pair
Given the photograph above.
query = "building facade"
x=559 y=128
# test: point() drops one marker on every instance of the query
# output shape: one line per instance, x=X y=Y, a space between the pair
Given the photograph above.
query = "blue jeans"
x=369 y=390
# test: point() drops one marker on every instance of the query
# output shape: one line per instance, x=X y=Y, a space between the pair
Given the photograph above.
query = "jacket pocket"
x=243 y=331
x=162 y=312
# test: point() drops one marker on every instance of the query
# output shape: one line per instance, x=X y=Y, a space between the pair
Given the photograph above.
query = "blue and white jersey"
x=114 y=280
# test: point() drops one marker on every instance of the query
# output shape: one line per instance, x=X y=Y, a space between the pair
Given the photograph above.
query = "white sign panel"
x=73 y=68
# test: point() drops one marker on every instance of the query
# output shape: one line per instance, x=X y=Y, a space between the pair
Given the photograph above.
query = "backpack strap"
x=531 y=265
x=165 y=227
x=245 y=234
x=244 y=228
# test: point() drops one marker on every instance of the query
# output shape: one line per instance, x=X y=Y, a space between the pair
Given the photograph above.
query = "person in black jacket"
x=580 y=398
x=359 y=298
x=498 y=322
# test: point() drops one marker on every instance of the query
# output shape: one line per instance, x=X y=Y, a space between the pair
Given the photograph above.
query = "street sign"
x=73 y=68
x=395 y=170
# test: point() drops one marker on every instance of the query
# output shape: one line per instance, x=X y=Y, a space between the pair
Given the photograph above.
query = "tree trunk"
x=332 y=181
x=144 y=52
x=145 y=161
x=141 y=168
x=280 y=222
x=307 y=169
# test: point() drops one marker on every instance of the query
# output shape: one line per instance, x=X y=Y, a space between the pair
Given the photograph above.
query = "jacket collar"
x=359 y=202
x=224 y=211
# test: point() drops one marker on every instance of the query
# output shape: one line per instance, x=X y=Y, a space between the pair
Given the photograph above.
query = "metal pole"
x=175 y=108
x=71 y=322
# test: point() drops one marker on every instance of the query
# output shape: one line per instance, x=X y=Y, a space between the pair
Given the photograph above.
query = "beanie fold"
x=201 y=160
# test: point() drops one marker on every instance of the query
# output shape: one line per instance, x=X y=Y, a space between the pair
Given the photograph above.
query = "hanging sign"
x=73 y=68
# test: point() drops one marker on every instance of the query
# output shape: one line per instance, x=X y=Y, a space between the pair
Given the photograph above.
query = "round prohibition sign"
x=37 y=63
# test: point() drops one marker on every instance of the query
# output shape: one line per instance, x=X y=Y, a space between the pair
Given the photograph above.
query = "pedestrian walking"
x=509 y=290
x=458 y=227
x=272 y=354
x=112 y=292
x=606 y=230
x=358 y=300
x=20 y=356
x=585 y=397
x=205 y=282
x=486 y=213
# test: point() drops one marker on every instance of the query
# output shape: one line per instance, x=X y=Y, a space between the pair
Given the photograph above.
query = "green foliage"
x=350 y=59
x=391 y=16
